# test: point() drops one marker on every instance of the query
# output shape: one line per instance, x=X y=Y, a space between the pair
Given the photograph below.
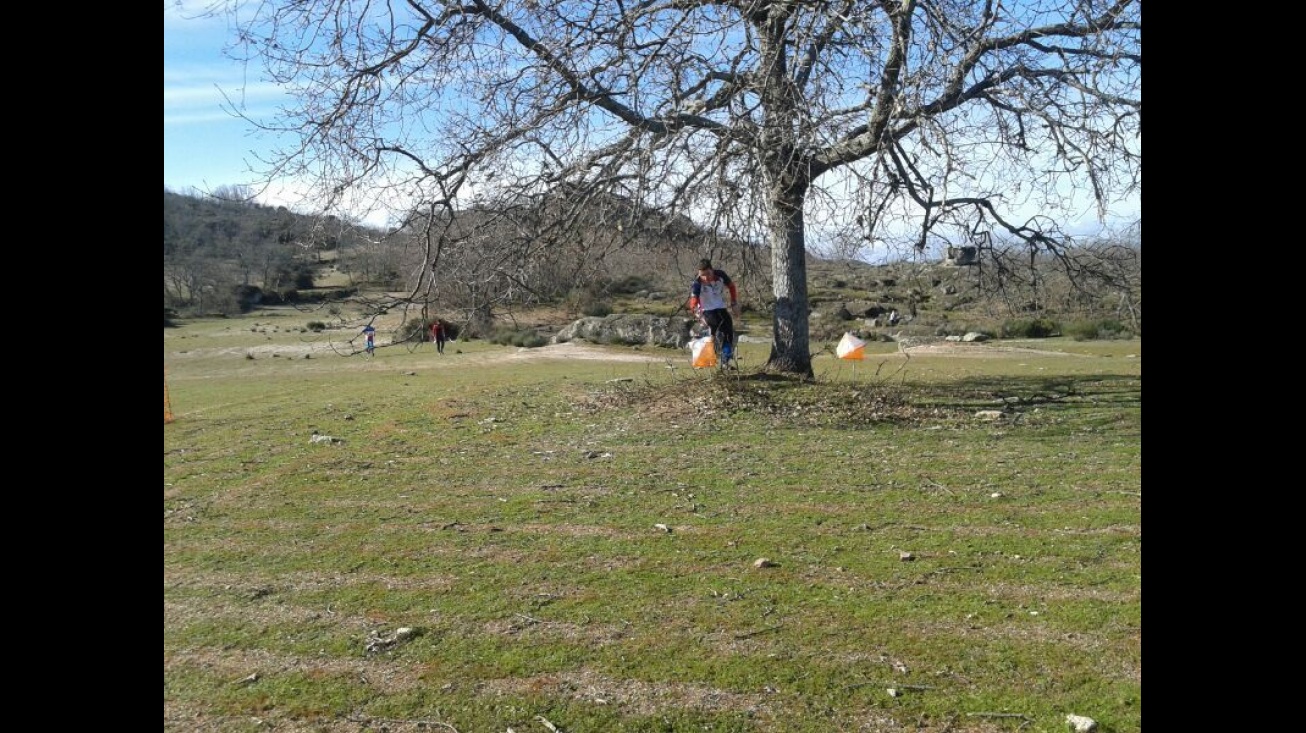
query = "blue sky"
x=204 y=146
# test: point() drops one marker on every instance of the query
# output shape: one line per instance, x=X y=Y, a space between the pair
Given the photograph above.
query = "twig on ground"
x=932 y=484
x=750 y=634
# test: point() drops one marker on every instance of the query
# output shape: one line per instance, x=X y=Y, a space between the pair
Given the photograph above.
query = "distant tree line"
x=477 y=266
x=223 y=253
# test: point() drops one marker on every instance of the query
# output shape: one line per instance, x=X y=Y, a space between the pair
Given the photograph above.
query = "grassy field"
x=491 y=541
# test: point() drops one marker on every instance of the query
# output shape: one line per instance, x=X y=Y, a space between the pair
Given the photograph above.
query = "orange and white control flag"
x=704 y=352
x=851 y=348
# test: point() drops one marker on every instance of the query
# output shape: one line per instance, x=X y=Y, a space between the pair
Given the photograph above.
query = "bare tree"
x=889 y=121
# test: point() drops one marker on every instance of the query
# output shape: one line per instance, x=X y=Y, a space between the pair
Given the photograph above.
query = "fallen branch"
x=750 y=634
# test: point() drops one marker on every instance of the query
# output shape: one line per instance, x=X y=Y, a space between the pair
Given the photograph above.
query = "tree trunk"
x=790 y=352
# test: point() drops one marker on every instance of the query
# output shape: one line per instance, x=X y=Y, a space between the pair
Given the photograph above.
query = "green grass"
x=506 y=510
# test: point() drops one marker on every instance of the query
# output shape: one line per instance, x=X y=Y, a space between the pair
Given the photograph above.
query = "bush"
x=323 y=295
x=630 y=285
x=590 y=300
x=1102 y=328
x=247 y=296
x=315 y=326
x=419 y=330
x=525 y=338
x=1033 y=328
x=414 y=329
x=961 y=329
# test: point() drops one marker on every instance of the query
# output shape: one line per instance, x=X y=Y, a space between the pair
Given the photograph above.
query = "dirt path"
x=973 y=350
x=580 y=350
x=322 y=350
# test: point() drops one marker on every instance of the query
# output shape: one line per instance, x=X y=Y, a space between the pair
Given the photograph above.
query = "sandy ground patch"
x=957 y=348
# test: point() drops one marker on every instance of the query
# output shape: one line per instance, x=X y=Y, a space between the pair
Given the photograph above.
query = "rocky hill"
x=221 y=255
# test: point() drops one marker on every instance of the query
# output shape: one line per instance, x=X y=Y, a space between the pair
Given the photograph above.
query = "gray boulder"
x=672 y=333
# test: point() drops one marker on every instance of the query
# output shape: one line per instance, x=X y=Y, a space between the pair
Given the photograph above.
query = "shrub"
x=529 y=339
x=525 y=338
x=961 y=329
x=322 y=295
x=419 y=330
x=1102 y=328
x=316 y=326
x=590 y=300
x=1032 y=328
x=630 y=284
x=247 y=296
x=414 y=329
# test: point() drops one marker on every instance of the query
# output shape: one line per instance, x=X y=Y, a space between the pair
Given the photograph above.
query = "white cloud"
x=195 y=118
x=211 y=102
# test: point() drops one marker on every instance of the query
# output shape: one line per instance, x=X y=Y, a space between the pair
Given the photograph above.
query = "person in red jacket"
x=708 y=300
x=438 y=335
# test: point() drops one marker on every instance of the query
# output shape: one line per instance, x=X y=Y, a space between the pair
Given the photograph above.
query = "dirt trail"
x=581 y=350
x=954 y=348
x=578 y=350
x=568 y=350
